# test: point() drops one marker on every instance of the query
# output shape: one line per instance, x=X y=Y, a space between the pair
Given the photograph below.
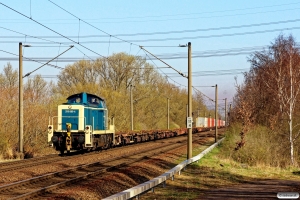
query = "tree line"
x=111 y=79
x=269 y=97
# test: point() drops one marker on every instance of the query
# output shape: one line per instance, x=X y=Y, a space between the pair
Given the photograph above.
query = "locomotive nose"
x=54 y=139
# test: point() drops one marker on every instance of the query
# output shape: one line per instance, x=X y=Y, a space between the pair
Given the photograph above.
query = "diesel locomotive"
x=82 y=123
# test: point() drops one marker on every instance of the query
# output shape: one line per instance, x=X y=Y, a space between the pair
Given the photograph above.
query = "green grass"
x=263 y=147
x=214 y=160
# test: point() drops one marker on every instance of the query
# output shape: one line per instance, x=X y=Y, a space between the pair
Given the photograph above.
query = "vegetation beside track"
x=262 y=148
x=110 y=80
x=224 y=167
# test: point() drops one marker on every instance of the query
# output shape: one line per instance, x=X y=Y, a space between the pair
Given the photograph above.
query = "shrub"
x=262 y=147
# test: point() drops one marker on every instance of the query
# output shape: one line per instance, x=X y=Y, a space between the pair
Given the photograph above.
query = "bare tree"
x=273 y=84
x=35 y=89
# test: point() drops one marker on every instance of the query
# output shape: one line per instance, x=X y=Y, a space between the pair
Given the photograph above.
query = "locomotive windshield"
x=75 y=99
x=92 y=100
x=86 y=99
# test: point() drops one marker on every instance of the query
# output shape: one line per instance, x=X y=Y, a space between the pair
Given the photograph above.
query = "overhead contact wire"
x=162 y=71
x=47 y=62
x=30 y=35
x=91 y=24
x=165 y=63
x=203 y=94
x=57 y=67
x=50 y=29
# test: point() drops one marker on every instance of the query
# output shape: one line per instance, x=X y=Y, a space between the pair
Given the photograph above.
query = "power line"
x=93 y=25
x=202 y=17
x=47 y=62
x=163 y=72
x=203 y=94
x=170 y=32
x=255 y=48
x=216 y=74
x=75 y=59
x=229 y=15
x=36 y=37
x=170 y=39
x=213 y=73
x=169 y=75
x=180 y=73
x=40 y=38
x=195 y=54
x=210 y=29
x=188 y=14
x=213 y=53
x=221 y=71
x=199 y=37
x=51 y=30
x=30 y=59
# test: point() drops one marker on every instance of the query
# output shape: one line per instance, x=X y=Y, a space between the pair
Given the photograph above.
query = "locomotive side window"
x=94 y=100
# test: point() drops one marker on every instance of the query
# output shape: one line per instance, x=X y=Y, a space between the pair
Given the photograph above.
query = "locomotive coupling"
x=68 y=129
x=68 y=138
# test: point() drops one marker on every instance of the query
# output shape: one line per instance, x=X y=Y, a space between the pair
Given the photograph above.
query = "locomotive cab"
x=82 y=123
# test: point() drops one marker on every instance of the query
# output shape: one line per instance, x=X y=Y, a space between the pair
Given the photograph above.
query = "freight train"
x=83 y=124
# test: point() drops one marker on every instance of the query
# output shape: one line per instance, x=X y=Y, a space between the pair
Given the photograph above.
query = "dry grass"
x=262 y=148
x=214 y=172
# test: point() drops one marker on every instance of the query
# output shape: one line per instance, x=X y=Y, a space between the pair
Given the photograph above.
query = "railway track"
x=36 y=186
x=32 y=162
x=22 y=164
x=9 y=164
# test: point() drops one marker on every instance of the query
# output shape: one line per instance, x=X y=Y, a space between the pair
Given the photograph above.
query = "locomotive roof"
x=79 y=94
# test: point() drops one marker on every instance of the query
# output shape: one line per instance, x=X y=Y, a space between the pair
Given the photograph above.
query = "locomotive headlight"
x=54 y=139
x=87 y=128
x=50 y=129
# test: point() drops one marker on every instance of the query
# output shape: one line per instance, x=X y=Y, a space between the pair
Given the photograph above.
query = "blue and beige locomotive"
x=82 y=123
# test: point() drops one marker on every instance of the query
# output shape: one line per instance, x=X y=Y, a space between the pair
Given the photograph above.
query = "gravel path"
x=265 y=189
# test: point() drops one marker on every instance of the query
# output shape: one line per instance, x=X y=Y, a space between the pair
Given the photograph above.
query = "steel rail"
x=74 y=175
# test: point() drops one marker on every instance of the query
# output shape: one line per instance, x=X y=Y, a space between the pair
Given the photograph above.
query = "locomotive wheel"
x=62 y=151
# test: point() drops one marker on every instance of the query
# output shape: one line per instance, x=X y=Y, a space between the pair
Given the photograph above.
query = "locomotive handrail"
x=60 y=124
x=144 y=187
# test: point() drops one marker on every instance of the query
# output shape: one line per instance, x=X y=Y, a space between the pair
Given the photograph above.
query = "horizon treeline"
x=111 y=79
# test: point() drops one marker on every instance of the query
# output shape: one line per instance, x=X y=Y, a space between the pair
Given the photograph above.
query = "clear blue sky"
x=208 y=25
